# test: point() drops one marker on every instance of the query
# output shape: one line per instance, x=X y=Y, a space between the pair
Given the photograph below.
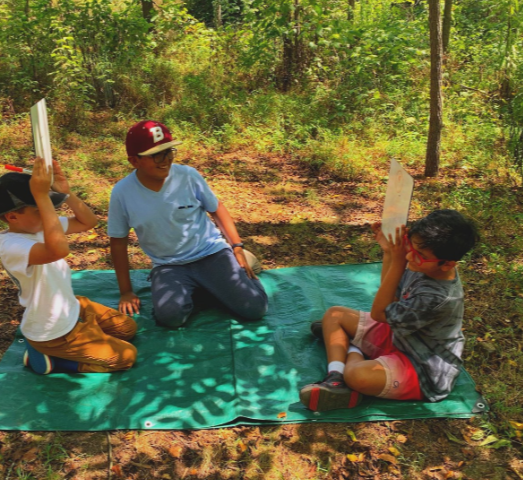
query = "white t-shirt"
x=172 y=225
x=46 y=292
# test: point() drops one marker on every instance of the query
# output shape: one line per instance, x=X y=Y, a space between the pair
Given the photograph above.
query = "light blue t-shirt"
x=172 y=225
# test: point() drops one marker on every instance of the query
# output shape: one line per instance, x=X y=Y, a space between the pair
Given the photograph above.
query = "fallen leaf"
x=352 y=435
x=452 y=438
x=31 y=455
x=117 y=470
x=129 y=436
x=176 y=451
x=388 y=458
x=401 y=438
x=394 y=451
x=453 y=475
x=282 y=415
x=516 y=425
x=242 y=446
x=356 y=458
x=436 y=469
x=499 y=444
x=489 y=439
x=512 y=363
x=477 y=434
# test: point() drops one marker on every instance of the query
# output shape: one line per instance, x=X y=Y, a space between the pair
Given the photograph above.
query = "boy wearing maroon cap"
x=167 y=205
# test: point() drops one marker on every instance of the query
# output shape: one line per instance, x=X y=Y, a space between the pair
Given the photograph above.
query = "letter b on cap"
x=157 y=134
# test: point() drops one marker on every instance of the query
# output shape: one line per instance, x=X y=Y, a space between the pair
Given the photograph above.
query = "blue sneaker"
x=39 y=362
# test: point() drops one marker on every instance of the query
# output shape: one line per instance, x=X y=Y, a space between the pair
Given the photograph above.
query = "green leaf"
x=500 y=444
x=452 y=438
x=489 y=439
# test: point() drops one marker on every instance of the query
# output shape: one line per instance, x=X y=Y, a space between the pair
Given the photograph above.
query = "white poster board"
x=42 y=141
x=397 y=199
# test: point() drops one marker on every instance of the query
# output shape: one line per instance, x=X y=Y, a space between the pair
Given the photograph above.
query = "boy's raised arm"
x=129 y=301
x=391 y=279
x=55 y=244
x=379 y=236
x=84 y=219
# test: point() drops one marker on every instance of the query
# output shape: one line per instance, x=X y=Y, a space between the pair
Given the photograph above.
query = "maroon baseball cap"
x=147 y=138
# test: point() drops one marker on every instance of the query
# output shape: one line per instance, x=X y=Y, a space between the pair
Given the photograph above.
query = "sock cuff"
x=354 y=349
x=336 y=366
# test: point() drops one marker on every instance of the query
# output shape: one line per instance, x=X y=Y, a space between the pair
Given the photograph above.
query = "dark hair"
x=447 y=233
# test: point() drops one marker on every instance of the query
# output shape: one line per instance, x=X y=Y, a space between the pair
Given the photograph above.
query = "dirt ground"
x=288 y=215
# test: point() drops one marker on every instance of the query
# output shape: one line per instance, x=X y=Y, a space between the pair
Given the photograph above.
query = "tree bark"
x=447 y=21
x=350 y=11
x=218 y=14
x=436 y=103
x=147 y=9
x=292 y=50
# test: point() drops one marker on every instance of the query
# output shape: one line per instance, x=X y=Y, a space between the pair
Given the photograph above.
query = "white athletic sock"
x=352 y=349
x=336 y=367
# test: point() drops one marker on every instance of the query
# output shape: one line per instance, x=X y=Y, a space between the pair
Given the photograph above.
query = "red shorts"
x=374 y=339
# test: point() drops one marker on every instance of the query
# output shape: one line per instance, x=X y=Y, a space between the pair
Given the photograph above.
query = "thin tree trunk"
x=218 y=14
x=292 y=50
x=350 y=11
x=436 y=103
x=147 y=9
x=447 y=21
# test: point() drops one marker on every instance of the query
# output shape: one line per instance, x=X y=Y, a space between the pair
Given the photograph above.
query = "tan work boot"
x=252 y=261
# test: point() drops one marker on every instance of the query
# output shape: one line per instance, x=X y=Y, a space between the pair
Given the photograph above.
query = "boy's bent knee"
x=254 y=310
x=172 y=317
x=363 y=379
x=128 y=357
x=128 y=329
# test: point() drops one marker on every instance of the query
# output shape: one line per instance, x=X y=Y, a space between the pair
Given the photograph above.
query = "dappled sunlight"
x=216 y=371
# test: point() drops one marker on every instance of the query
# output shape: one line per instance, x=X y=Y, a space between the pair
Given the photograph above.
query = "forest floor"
x=288 y=215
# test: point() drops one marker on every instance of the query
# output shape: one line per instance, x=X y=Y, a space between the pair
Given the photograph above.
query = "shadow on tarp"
x=215 y=372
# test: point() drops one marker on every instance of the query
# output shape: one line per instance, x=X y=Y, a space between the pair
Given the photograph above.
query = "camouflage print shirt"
x=426 y=323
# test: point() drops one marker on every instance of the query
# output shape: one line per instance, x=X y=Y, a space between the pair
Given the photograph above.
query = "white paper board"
x=397 y=199
x=41 y=137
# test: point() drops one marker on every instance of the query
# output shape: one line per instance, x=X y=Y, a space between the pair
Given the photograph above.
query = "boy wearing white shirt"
x=61 y=330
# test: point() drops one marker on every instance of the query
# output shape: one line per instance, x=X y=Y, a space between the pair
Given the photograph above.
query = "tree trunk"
x=147 y=9
x=287 y=64
x=436 y=103
x=447 y=20
x=293 y=60
x=350 y=11
x=218 y=14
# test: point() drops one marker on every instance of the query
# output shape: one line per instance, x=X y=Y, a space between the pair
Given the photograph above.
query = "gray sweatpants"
x=220 y=274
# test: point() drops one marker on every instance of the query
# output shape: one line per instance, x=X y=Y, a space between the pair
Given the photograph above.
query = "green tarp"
x=215 y=372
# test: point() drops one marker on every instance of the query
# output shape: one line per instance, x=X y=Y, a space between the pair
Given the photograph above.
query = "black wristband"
x=234 y=245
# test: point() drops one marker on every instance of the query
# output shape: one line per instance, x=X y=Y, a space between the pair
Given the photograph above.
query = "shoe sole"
x=41 y=364
x=322 y=399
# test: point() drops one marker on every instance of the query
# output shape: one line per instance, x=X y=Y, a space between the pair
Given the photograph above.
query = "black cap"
x=15 y=193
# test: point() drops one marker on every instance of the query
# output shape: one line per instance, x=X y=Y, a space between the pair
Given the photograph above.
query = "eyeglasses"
x=160 y=157
x=418 y=259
